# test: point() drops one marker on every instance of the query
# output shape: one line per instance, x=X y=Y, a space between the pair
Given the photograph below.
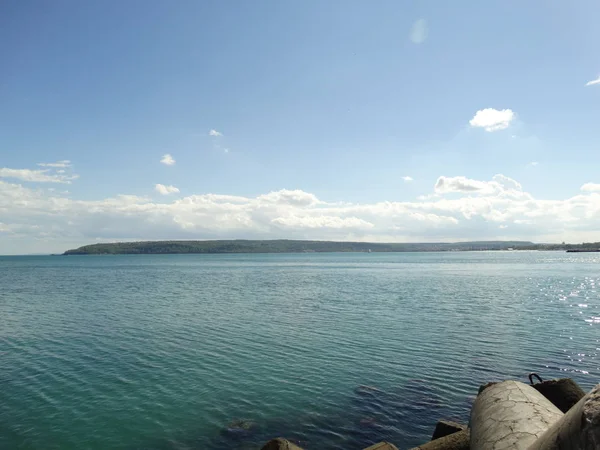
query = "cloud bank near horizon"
x=458 y=208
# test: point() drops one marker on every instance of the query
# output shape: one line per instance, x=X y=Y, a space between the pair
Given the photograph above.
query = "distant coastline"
x=300 y=246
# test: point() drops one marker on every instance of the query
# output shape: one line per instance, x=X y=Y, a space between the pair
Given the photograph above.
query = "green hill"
x=283 y=246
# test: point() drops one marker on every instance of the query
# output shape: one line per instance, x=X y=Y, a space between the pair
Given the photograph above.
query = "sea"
x=330 y=350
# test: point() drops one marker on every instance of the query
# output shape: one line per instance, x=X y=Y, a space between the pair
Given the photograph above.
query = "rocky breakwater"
x=510 y=415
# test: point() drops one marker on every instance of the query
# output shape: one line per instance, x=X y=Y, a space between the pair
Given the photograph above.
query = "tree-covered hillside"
x=283 y=246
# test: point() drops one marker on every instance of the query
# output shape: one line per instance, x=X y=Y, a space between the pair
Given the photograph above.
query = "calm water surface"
x=337 y=351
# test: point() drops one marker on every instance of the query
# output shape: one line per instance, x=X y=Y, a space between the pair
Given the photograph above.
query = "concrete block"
x=563 y=393
x=454 y=441
x=382 y=446
x=483 y=387
x=446 y=427
x=579 y=428
x=510 y=415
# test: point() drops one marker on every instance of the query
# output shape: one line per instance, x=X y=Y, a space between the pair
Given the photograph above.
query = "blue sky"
x=319 y=111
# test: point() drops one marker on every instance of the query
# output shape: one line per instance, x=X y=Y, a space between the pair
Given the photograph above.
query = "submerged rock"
x=367 y=422
x=241 y=428
x=421 y=395
x=367 y=390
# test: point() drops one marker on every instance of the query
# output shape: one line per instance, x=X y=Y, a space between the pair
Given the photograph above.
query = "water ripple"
x=226 y=351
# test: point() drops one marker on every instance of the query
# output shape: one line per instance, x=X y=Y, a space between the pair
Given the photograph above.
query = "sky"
x=383 y=121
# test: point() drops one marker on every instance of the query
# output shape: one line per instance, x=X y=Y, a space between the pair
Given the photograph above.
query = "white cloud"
x=407 y=179
x=37 y=176
x=498 y=185
x=591 y=187
x=419 y=32
x=59 y=164
x=428 y=197
x=492 y=119
x=319 y=222
x=593 y=82
x=165 y=190
x=460 y=208
x=505 y=182
x=445 y=185
x=534 y=163
x=167 y=160
x=215 y=133
x=295 y=197
x=18 y=227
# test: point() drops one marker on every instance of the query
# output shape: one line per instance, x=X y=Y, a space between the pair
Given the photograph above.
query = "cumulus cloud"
x=460 y=184
x=407 y=179
x=167 y=160
x=460 y=208
x=492 y=119
x=37 y=176
x=593 y=82
x=165 y=190
x=505 y=182
x=591 y=187
x=295 y=197
x=215 y=133
x=419 y=31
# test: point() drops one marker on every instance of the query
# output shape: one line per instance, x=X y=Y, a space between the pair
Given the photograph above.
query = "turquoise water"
x=168 y=352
